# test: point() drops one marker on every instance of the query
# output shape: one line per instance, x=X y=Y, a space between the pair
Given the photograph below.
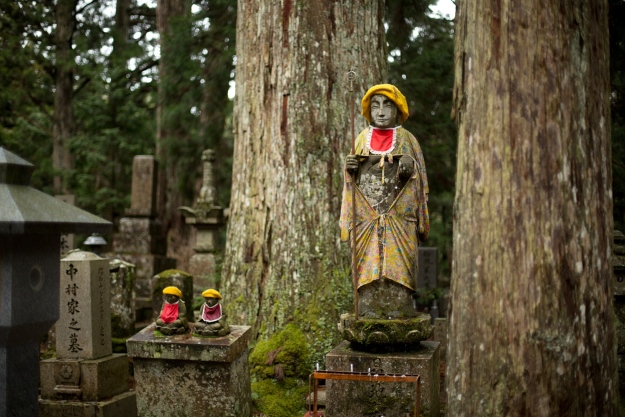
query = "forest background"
x=87 y=85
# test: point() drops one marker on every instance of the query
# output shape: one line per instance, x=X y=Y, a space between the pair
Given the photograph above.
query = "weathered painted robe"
x=403 y=225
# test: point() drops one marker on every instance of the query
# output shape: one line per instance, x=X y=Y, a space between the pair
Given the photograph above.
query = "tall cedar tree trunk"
x=283 y=259
x=63 y=115
x=531 y=328
x=169 y=128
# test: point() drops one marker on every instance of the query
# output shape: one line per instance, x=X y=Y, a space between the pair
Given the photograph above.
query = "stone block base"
x=122 y=405
x=86 y=380
x=358 y=399
x=187 y=375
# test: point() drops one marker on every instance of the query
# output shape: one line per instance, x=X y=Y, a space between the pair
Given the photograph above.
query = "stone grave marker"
x=85 y=378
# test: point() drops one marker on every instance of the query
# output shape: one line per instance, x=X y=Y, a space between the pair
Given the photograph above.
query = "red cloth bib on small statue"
x=381 y=139
x=210 y=314
x=169 y=313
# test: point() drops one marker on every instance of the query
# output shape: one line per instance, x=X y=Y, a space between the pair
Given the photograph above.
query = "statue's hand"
x=351 y=163
x=406 y=167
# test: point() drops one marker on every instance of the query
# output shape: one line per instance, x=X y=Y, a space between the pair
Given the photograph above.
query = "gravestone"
x=206 y=217
x=140 y=239
x=85 y=377
x=427 y=275
x=188 y=376
x=31 y=224
x=122 y=298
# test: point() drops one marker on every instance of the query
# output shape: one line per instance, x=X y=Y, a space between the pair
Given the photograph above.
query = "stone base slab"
x=86 y=380
x=363 y=399
x=187 y=375
x=122 y=405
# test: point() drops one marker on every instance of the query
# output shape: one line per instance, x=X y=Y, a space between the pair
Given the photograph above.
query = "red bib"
x=169 y=312
x=210 y=314
x=381 y=139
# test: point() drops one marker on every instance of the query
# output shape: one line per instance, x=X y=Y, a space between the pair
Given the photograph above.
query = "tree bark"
x=283 y=259
x=531 y=328
x=63 y=115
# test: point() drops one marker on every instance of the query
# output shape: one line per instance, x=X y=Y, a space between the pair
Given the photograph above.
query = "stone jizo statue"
x=212 y=319
x=391 y=207
x=172 y=319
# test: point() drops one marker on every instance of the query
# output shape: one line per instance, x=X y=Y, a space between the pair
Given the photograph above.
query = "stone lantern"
x=31 y=224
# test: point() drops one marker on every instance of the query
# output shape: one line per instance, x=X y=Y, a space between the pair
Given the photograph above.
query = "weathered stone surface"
x=440 y=335
x=67 y=239
x=123 y=295
x=122 y=405
x=144 y=186
x=188 y=347
x=202 y=266
x=387 y=334
x=84 y=326
x=146 y=267
x=364 y=399
x=427 y=273
x=139 y=235
x=86 y=380
x=176 y=278
x=192 y=376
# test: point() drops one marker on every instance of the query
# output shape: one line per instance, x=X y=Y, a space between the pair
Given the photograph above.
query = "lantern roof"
x=25 y=210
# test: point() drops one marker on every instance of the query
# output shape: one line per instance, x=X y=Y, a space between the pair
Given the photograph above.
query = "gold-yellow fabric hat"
x=211 y=293
x=173 y=291
x=390 y=91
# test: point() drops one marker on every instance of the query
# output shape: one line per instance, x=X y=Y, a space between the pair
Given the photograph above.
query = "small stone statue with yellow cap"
x=172 y=319
x=212 y=319
x=391 y=193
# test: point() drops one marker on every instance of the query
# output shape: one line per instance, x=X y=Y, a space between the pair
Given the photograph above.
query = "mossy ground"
x=280 y=367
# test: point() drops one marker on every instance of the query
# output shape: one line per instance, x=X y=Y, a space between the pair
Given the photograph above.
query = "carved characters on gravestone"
x=212 y=320
x=172 y=319
x=72 y=309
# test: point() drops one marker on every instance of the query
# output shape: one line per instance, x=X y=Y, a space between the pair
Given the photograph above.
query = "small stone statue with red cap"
x=391 y=207
x=172 y=319
x=212 y=319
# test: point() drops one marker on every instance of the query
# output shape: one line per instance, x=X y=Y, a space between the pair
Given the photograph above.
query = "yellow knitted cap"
x=211 y=293
x=389 y=91
x=173 y=291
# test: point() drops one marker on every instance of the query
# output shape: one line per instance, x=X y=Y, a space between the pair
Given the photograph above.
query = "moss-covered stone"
x=283 y=354
x=280 y=398
x=389 y=334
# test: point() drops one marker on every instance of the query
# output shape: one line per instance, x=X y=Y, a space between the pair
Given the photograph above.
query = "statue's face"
x=384 y=112
x=211 y=301
x=171 y=299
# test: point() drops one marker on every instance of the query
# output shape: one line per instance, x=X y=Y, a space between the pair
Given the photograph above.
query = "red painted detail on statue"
x=210 y=314
x=381 y=139
x=169 y=312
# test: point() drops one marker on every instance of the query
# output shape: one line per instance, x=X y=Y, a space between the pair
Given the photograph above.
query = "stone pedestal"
x=192 y=376
x=85 y=378
x=364 y=399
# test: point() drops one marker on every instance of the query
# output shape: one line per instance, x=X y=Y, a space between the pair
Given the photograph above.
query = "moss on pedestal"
x=370 y=334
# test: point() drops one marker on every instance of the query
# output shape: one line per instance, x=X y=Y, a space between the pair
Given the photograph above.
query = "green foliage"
x=280 y=399
x=425 y=296
x=286 y=350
